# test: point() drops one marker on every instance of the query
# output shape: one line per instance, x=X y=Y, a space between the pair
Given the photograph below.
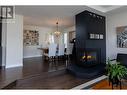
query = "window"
x=51 y=38
x=71 y=35
x=65 y=39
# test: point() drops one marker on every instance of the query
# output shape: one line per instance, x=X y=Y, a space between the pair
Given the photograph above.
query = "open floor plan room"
x=63 y=47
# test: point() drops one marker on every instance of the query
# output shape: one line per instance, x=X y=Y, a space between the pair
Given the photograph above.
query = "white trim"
x=32 y=56
x=89 y=83
x=16 y=65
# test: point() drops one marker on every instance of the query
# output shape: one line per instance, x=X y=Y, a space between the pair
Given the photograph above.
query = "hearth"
x=88 y=64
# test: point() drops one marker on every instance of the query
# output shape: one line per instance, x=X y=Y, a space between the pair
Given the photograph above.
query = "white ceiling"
x=48 y=15
x=105 y=8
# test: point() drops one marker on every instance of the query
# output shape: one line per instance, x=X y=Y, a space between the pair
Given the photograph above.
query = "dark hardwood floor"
x=39 y=74
x=52 y=80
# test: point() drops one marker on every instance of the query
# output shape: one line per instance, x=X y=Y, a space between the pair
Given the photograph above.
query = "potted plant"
x=115 y=72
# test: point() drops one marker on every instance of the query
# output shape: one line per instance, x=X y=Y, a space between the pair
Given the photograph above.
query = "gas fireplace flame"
x=88 y=57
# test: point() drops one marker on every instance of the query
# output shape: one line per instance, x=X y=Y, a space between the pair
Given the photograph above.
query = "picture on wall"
x=96 y=36
x=30 y=38
x=121 y=36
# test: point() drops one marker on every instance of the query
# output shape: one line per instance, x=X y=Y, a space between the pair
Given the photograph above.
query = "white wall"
x=70 y=29
x=114 y=20
x=32 y=51
x=4 y=30
x=14 y=42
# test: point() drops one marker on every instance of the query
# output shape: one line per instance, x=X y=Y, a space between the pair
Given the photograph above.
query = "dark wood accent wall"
x=88 y=22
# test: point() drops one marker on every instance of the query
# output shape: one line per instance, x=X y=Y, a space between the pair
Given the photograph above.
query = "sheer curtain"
x=51 y=38
x=65 y=39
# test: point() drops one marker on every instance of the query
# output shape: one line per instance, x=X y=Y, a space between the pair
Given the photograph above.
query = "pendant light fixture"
x=57 y=32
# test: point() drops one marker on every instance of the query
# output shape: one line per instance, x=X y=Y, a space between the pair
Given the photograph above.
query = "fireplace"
x=90 y=53
x=88 y=57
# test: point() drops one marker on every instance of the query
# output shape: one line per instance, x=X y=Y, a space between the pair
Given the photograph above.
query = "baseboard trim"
x=13 y=66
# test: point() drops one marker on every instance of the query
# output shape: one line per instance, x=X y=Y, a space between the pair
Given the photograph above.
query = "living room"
x=100 y=41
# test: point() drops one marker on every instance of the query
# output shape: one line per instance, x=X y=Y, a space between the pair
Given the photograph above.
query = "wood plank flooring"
x=104 y=84
x=38 y=67
x=50 y=81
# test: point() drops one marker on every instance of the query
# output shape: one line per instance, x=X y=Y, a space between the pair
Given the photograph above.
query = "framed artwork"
x=121 y=36
x=91 y=36
x=101 y=36
x=96 y=36
x=30 y=37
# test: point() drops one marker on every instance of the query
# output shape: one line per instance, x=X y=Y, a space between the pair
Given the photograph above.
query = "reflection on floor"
x=52 y=80
x=35 y=66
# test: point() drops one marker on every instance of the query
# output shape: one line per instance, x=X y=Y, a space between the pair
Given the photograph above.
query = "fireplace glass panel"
x=89 y=57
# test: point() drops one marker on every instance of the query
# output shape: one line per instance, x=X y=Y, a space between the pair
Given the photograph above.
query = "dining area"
x=55 y=52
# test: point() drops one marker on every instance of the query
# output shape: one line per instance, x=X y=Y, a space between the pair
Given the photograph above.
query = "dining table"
x=45 y=50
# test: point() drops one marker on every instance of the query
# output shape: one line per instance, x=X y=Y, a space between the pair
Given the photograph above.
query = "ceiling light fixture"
x=57 y=32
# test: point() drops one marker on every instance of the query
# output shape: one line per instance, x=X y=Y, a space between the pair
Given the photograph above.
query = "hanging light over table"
x=57 y=32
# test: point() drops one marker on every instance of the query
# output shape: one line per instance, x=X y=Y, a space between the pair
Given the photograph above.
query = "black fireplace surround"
x=90 y=53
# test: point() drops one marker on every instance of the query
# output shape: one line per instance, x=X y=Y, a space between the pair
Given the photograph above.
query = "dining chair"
x=69 y=49
x=61 y=49
x=68 y=52
x=52 y=52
